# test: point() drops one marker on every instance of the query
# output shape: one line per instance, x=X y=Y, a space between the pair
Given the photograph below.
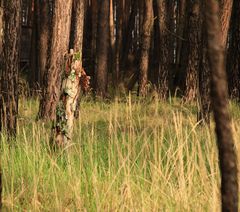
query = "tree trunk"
x=225 y=16
x=219 y=96
x=10 y=66
x=145 y=47
x=58 y=47
x=234 y=53
x=204 y=76
x=164 y=66
x=193 y=48
x=76 y=41
x=94 y=14
x=102 y=48
x=118 y=43
x=34 y=21
x=1 y=26
x=44 y=21
x=180 y=28
x=77 y=25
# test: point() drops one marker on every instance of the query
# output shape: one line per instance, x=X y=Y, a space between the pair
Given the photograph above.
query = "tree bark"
x=94 y=16
x=76 y=40
x=44 y=21
x=118 y=43
x=164 y=65
x=10 y=66
x=219 y=97
x=102 y=48
x=193 y=48
x=204 y=76
x=1 y=31
x=58 y=47
x=225 y=16
x=145 y=47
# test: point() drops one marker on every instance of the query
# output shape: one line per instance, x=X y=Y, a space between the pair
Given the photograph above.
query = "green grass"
x=126 y=155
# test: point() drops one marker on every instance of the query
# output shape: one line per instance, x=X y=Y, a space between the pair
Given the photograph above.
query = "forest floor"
x=126 y=155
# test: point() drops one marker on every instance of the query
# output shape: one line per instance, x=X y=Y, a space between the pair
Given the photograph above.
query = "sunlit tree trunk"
x=219 y=97
x=10 y=66
x=225 y=16
x=58 y=47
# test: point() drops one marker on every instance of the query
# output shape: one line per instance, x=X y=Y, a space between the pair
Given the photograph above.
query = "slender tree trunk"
x=58 y=47
x=102 y=48
x=127 y=34
x=219 y=96
x=234 y=53
x=193 y=48
x=225 y=16
x=76 y=40
x=1 y=25
x=33 y=77
x=164 y=64
x=94 y=14
x=118 y=43
x=204 y=81
x=145 y=47
x=10 y=66
x=44 y=21
x=204 y=75
x=180 y=28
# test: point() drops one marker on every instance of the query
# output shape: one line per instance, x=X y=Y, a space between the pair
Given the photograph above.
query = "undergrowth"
x=126 y=155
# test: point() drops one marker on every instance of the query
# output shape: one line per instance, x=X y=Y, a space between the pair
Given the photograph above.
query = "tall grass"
x=125 y=156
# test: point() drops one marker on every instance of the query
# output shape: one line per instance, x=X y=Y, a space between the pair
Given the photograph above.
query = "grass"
x=126 y=155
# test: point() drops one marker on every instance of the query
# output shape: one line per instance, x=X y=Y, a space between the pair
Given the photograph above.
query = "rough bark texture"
x=234 y=53
x=78 y=11
x=102 y=48
x=219 y=95
x=225 y=16
x=145 y=47
x=58 y=47
x=193 y=48
x=164 y=66
x=10 y=66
